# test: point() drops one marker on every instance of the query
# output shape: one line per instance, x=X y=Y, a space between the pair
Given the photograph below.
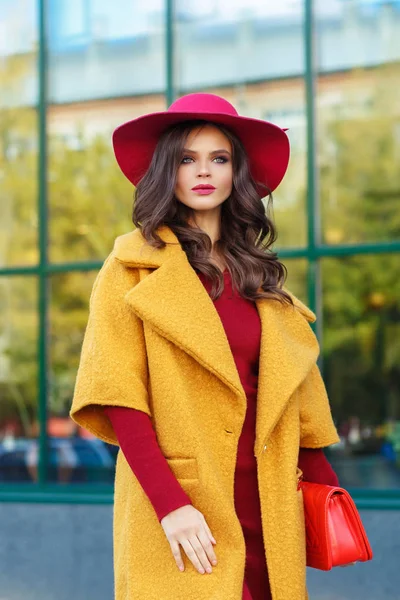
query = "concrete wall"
x=50 y=552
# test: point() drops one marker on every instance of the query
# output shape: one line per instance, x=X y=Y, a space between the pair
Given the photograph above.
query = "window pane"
x=248 y=47
x=90 y=201
x=220 y=41
x=358 y=121
x=106 y=65
x=75 y=455
x=18 y=379
x=103 y=49
x=361 y=362
x=18 y=133
x=296 y=281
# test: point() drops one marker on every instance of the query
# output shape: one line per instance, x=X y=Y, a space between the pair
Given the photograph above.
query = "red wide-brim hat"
x=266 y=144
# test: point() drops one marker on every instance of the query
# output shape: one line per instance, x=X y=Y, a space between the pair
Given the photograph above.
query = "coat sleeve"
x=113 y=363
x=317 y=428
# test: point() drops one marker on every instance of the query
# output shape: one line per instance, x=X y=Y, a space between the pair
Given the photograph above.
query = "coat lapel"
x=171 y=297
x=288 y=350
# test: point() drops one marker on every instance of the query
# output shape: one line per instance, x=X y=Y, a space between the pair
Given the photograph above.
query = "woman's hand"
x=187 y=526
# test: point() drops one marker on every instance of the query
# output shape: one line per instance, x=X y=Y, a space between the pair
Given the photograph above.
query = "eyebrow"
x=220 y=151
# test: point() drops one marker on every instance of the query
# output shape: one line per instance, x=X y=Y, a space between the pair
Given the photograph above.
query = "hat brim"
x=266 y=144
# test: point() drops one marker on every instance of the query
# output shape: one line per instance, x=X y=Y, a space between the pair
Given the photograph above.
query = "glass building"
x=70 y=72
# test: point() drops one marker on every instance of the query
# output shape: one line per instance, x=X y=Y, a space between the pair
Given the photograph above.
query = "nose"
x=203 y=170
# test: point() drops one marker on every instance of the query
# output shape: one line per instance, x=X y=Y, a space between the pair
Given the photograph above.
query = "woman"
x=202 y=367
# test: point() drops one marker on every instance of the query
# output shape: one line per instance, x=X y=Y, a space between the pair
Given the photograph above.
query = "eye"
x=221 y=159
x=185 y=160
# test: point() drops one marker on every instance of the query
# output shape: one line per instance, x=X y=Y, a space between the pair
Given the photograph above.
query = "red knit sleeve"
x=316 y=467
x=138 y=442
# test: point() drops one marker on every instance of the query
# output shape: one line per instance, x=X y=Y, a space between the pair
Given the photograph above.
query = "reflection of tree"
x=361 y=349
x=359 y=155
x=386 y=369
x=90 y=203
x=89 y=207
x=18 y=385
x=68 y=314
x=289 y=206
x=360 y=189
x=18 y=170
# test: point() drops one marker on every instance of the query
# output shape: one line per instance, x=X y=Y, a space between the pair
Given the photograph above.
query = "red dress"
x=138 y=442
x=243 y=329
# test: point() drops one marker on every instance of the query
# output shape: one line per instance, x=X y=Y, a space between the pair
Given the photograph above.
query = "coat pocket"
x=184 y=468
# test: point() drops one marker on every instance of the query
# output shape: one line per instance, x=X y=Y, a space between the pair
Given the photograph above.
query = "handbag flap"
x=334 y=531
x=346 y=528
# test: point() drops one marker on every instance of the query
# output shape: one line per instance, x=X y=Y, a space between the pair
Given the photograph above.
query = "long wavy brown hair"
x=246 y=229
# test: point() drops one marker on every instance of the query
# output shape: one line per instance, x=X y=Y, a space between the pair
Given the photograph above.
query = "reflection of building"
x=127 y=58
x=106 y=64
x=262 y=53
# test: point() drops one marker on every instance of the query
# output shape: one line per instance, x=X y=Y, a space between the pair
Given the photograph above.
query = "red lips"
x=204 y=187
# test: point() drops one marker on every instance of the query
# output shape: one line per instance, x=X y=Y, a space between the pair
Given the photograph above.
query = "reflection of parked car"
x=70 y=460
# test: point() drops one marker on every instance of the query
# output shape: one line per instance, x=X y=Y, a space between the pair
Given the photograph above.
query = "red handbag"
x=334 y=532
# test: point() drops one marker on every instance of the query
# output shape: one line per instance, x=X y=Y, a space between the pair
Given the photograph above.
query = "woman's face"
x=207 y=166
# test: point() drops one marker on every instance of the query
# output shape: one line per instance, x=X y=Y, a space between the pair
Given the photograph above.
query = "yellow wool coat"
x=155 y=342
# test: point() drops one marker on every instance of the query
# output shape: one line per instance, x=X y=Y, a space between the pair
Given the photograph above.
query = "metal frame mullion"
x=318 y=251
x=312 y=197
x=43 y=295
x=170 y=94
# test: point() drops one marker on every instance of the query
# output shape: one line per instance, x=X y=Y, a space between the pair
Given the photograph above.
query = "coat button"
x=265 y=447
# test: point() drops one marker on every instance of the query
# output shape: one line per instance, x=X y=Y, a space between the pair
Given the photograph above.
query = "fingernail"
x=209 y=570
x=214 y=562
x=181 y=568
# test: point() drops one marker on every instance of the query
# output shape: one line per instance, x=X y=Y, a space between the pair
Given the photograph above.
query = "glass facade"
x=18 y=133
x=70 y=72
